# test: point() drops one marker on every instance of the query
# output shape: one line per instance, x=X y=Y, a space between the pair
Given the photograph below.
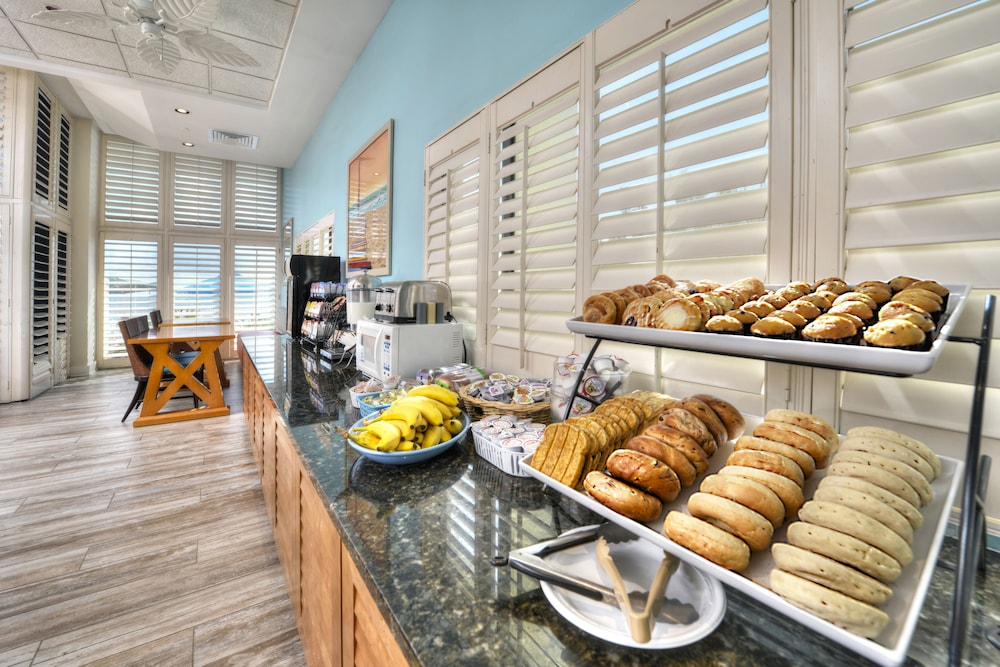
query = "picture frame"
x=369 y=205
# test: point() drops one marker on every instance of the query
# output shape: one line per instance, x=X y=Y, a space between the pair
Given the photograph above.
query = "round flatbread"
x=844 y=549
x=905 y=508
x=889 y=449
x=850 y=521
x=920 y=448
x=879 y=477
x=828 y=572
x=859 y=617
x=873 y=507
x=906 y=473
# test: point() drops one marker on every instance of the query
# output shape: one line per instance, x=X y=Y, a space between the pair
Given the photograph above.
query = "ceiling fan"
x=187 y=21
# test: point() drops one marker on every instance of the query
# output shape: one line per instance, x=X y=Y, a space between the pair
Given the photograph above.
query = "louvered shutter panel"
x=255 y=197
x=255 y=290
x=130 y=287
x=62 y=172
x=4 y=186
x=61 y=362
x=131 y=183
x=681 y=175
x=453 y=206
x=923 y=192
x=43 y=146
x=41 y=291
x=197 y=200
x=533 y=239
x=197 y=269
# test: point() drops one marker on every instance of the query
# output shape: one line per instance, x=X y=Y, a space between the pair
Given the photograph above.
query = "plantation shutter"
x=197 y=196
x=130 y=288
x=61 y=361
x=255 y=197
x=923 y=193
x=41 y=292
x=131 y=183
x=535 y=208
x=43 y=146
x=197 y=269
x=681 y=176
x=454 y=198
x=62 y=173
x=255 y=289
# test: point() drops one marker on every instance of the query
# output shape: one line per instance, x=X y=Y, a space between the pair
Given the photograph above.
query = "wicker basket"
x=477 y=408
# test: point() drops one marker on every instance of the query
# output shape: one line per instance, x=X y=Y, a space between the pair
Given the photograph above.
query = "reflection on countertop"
x=425 y=537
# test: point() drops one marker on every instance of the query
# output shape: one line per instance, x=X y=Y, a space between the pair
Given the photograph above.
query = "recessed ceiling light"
x=187 y=143
x=181 y=110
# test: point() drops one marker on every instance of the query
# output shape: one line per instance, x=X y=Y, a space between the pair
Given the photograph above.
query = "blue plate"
x=414 y=456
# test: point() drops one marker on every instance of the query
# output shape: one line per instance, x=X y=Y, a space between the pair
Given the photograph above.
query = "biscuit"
x=873 y=507
x=788 y=491
x=708 y=541
x=908 y=474
x=804 y=461
x=769 y=461
x=749 y=493
x=852 y=522
x=891 y=450
x=920 y=448
x=830 y=573
x=842 y=610
x=727 y=412
x=844 y=549
x=879 y=477
x=732 y=517
x=905 y=508
x=811 y=443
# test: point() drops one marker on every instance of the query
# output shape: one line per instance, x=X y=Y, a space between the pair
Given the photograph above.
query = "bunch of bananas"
x=425 y=416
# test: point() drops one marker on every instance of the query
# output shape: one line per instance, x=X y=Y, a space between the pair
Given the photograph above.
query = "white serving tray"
x=846 y=357
x=909 y=591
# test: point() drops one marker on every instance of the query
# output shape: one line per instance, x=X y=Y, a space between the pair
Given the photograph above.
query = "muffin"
x=907 y=311
x=927 y=300
x=724 y=324
x=932 y=286
x=821 y=300
x=857 y=296
x=859 y=309
x=745 y=317
x=831 y=329
x=832 y=284
x=808 y=310
x=773 y=328
x=774 y=299
x=789 y=293
x=791 y=317
x=876 y=289
x=896 y=333
x=900 y=283
x=758 y=308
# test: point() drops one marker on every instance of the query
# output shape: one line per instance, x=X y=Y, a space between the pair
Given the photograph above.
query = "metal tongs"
x=640 y=623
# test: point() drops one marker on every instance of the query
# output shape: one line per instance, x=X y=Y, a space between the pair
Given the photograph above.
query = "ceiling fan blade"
x=194 y=13
x=215 y=48
x=71 y=17
x=159 y=53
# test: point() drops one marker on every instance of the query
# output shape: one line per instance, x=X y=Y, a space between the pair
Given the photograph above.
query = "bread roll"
x=708 y=541
x=749 y=493
x=732 y=517
x=646 y=472
x=622 y=497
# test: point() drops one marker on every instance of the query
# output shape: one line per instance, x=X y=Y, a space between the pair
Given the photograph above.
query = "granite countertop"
x=425 y=537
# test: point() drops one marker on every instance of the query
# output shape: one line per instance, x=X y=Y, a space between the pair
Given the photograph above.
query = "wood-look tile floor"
x=135 y=546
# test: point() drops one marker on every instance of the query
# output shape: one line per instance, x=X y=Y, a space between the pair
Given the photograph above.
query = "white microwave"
x=385 y=350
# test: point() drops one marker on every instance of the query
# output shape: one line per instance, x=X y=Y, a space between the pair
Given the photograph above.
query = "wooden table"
x=205 y=338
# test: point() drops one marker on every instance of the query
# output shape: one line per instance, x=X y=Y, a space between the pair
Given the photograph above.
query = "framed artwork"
x=369 y=205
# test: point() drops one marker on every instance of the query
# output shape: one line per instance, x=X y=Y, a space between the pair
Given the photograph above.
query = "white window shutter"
x=923 y=192
x=255 y=287
x=533 y=245
x=255 y=197
x=130 y=287
x=197 y=271
x=197 y=200
x=454 y=197
x=131 y=183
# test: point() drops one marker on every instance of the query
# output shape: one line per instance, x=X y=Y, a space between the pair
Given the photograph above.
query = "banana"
x=407 y=413
x=407 y=446
x=427 y=407
x=389 y=436
x=454 y=425
x=406 y=430
x=365 y=439
x=437 y=392
x=433 y=436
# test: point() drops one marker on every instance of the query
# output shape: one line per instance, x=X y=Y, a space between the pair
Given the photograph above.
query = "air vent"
x=232 y=139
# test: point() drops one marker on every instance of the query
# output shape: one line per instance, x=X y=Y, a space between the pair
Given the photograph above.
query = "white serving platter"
x=846 y=357
x=909 y=591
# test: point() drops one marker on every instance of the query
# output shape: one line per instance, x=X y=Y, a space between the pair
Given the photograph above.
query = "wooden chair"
x=155 y=318
x=141 y=361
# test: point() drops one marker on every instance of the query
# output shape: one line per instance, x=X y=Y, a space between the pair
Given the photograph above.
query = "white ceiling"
x=305 y=49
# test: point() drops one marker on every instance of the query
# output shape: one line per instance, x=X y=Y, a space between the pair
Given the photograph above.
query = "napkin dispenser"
x=413 y=302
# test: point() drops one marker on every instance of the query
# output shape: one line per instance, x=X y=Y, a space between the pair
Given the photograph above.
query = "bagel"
x=682 y=442
x=706 y=414
x=906 y=473
x=803 y=460
x=830 y=573
x=622 y=497
x=689 y=424
x=890 y=449
x=769 y=461
x=905 y=508
x=788 y=491
x=805 y=420
x=920 y=448
x=727 y=412
x=708 y=541
x=852 y=522
x=878 y=476
x=749 y=493
x=733 y=517
x=873 y=507
x=844 y=549
x=671 y=456
x=842 y=610
x=646 y=472
x=811 y=443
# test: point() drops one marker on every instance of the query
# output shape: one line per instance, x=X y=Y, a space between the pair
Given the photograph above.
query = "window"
x=256 y=196
x=62 y=182
x=197 y=200
x=43 y=146
x=131 y=286
x=197 y=284
x=131 y=183
x=41 y=286
x=255 y=288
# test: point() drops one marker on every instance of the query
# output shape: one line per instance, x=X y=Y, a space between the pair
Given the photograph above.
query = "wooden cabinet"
x=339 y=621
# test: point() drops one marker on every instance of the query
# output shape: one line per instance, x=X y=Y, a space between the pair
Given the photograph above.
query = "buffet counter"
x=397 y=564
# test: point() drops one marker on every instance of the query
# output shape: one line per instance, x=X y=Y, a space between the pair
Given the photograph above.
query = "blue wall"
x=430 y=64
